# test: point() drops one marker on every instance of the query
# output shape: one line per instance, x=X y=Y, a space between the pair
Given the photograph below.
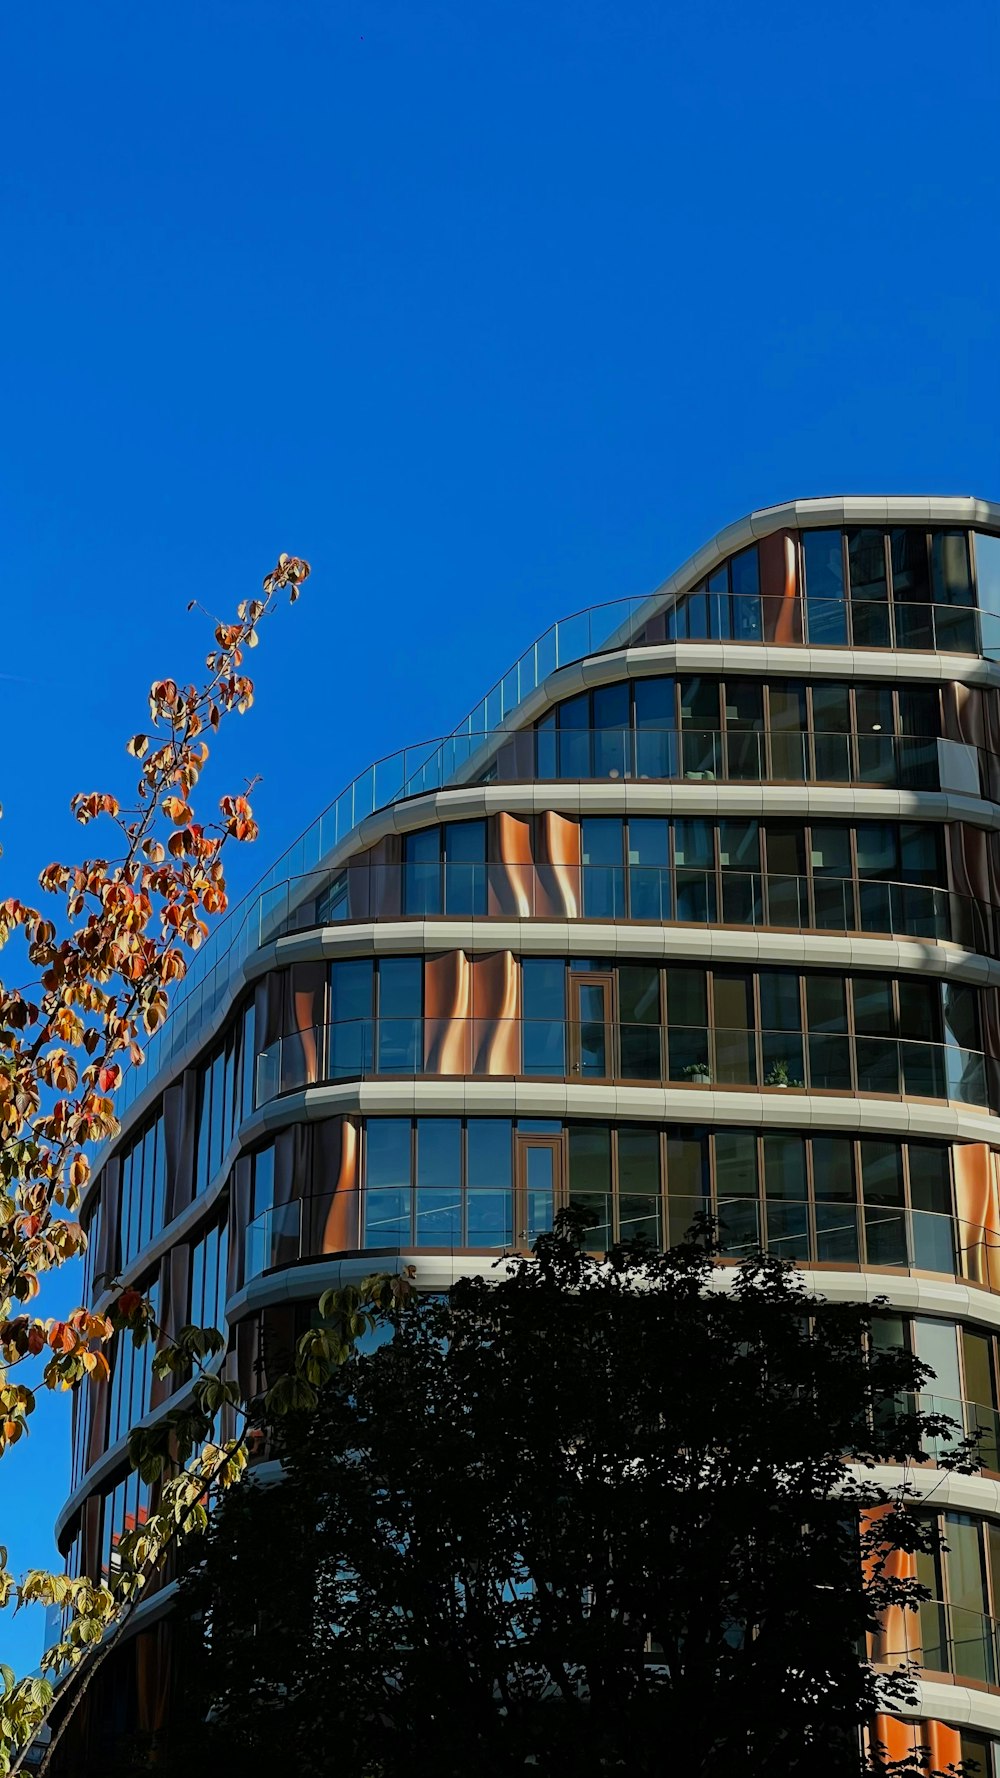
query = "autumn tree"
x=579 y=1517
x=100 y=964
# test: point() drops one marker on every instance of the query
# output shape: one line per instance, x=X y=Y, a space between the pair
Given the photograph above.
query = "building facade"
x=699 y=909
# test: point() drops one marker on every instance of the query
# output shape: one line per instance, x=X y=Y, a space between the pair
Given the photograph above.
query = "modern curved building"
x=700 y=908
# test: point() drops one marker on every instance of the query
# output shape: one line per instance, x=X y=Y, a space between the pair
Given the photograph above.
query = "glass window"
x=784 y=1166
x=650 y=895
x=930 y=1178
x=590 y=1179
x=988 y=571
x=687 y=996
x=439 y=1182
x=603 y=872
x=919 y=1010
x=639 y=1184
x=873 y=1009
x=601 y=840
x=833 y=1168
x=877 y=844
x=826 y=1003
x=465 y=867
x=951 y=576
x=908 y=550
x=611 y=706
x=824 y=576
x=735 y=1164
x=882 y=1172
x=387 y=1181
x=654 y=703
x=422 y=871
x=921 y=853
x=694 y=845
x=831 y=708
x=786 y=849
x=779 y=1000
x=648 y=841
x=745 y=575
x=400 y=1005
x=866 y=564
x=489 y=1202
x=687 y=1179
x=351 y=990
x=543 y=992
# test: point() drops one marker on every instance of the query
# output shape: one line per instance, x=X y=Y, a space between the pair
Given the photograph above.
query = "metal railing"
x=429 y=765
x=703 y=615
x=591 y=1049
x=684 y=894
x=732 y=755
x=453 y=1220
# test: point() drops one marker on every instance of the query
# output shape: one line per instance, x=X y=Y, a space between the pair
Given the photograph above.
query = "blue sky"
x=494 y=311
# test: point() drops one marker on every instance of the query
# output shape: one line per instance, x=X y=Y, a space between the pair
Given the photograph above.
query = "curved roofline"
x=814 y=515
x=811 y=514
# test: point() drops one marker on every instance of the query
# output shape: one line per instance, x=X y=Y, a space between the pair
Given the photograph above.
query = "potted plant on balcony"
x=698 y=1073
x=778 y=1075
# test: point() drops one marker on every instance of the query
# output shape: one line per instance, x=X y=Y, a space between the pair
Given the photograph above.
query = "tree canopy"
x=581 y=1516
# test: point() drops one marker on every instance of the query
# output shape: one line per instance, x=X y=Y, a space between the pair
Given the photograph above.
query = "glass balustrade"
x=808 y=1232
x=972 y=1419
x=943 y=1638
x=702 y=1056
x=733 y=755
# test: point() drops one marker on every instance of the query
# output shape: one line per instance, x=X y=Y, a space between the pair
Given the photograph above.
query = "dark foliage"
x=581 y=1517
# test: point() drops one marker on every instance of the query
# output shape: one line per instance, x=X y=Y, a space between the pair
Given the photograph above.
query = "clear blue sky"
x=492 y=310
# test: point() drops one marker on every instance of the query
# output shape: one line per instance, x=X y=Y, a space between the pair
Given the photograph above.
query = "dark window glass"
x=866 y=564
x=833 y=1168
x=824 y=574
x=700 y=726
x=603 y=871
x=602 y=840
x=873 y=1012
x=930 y=1178
x=465 y=867
x=779 y=1000
x=735 y=1164
x=687 y=1179
x=831 y=708
x=639 y=1013
x=263 y=1179
x=590 y=1179
x=655 y=722
x=908 y=550
x=574 y=737
x=826 y=1003
x=694 y=845
x=649 y=876
x=951 y=576
x=831 y=850
x=611 y=706
x=387 y=1181
x=922 y=854
x=786 y=849
x=351 y=990
x=745 y=572
x=439 y=1182
x=648 y=841
x=489 y=1152
x=877 y=844
x=882 y=1172
x=400 y=1005
x=543 y=988
x=784 y=1166
x=920 y=1010
x=639 y=1184
x=422 y=871
x=919 y=710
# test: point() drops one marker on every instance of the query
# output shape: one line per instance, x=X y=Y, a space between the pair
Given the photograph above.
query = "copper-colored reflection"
x=898 y=1634
x=780 y=604
x=510 y=879
x=495 y=1002
x=558 y=842
x=341 y=1229
x=977 y=1200
x=901 y=1739
x=447 y=1013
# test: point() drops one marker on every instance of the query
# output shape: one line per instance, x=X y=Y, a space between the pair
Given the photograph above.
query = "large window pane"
x=422 y=872
x=824 y=575
x=439 y=1182
x=784 y=1166
x=465 y=867
x=649 y=873
x=387 y=1181
x=603 y=872
x=543 y=991
x=951 y=576
x=639 y=1184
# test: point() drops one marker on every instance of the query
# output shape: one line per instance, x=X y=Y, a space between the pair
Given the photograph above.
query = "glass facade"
x=809 y=1055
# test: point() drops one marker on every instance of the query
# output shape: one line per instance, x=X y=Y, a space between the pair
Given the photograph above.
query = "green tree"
x=584 y=1517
